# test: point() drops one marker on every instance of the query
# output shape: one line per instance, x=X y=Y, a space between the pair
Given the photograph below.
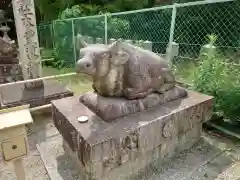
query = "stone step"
x=17 y=94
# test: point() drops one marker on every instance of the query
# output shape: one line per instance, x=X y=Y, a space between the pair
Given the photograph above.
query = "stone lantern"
x=10 y=69
x=5 y=29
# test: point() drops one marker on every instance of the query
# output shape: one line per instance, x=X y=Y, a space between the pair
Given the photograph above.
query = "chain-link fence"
x=184 y=26
x=91 y=28
x=151 y=25
x=194 y=22
x=46 y=35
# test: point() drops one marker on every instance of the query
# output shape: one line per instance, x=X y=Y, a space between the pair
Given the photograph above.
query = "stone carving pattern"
x=193 y=116
x=168 y=129
x=10 y=72
x=207 y=110
x=67 y=130
x=8 y=49
x=83 y=150
x=129 y=144
x=111 y=162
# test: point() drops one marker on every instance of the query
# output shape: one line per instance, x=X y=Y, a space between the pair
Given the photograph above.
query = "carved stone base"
x=18 y=94
x=110 y=109
x=34 y=85
x=118 y=149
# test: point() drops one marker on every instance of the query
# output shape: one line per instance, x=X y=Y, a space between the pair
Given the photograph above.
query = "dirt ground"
x=217 y=158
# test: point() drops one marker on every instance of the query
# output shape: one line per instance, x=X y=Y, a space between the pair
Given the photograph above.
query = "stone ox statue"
x=126 y=79
x=124 y=70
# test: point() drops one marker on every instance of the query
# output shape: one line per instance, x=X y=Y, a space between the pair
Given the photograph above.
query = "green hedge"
x=221 y=79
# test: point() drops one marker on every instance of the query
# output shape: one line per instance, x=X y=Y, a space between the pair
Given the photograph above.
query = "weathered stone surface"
x=10 y=69
x=18 y=94
x=10 y=73
x=104 y=149
x=111 y=108
x=8 y=49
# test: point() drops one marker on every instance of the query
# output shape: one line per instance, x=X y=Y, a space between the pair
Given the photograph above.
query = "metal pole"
x=74 y=42
x=40 y=108
x=53 y=33
x=38 y=79
x=202 y=2
x=171 y=36
x=49 y=59
x=106 y=29
x=19 y=108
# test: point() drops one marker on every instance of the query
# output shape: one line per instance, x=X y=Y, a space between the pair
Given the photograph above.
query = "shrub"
x=216 y=77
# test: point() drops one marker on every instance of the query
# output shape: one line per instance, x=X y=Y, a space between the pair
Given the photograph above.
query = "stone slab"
x=111 y=108
x=102 y=148
x=17 y=94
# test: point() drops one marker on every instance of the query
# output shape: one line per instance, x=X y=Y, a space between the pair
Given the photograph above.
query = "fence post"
x=147 y=45
x=171 y=36
x=53 y=33
x=74 y=41
x=106 y=29
x=129 y=41
x=111 y=40
x=140 y=43
x=89 y=39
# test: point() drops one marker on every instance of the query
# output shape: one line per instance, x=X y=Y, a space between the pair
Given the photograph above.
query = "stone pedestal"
x=18 y=94
x=117 y=149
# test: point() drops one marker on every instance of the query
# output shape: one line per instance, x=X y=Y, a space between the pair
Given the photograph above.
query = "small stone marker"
x=82 y=119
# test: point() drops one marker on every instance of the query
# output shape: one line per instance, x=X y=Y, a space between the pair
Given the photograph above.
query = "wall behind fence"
x=185 y=24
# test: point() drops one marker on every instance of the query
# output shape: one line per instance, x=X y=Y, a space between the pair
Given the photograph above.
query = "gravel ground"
x=214 y=158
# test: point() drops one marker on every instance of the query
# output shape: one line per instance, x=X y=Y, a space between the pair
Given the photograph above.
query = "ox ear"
x=120 y=58
x=114 y=47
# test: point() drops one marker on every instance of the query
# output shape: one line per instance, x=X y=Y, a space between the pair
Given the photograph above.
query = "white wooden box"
x=13 y=136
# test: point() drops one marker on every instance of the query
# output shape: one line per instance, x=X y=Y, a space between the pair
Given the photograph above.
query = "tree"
x=50 y=9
